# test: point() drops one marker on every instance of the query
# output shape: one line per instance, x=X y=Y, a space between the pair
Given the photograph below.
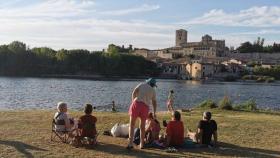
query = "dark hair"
x=88 y=109
x=207 y=115
x=177 y=115
x=164 y=123
x=150 y=115
x=152 y=84
x=171 y=91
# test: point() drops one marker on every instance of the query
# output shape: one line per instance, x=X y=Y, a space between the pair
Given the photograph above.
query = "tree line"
x=258 y=46
x=18 y=60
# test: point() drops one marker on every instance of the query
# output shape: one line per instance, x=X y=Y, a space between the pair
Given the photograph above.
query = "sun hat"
x=152 y=82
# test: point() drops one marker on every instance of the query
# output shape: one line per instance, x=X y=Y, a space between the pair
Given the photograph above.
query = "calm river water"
x=38 y=93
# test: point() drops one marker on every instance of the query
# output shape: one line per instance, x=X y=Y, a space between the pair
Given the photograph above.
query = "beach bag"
x=120 y=130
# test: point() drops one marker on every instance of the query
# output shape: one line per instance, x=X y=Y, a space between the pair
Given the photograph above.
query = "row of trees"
x=16 y=59
x=258 y=46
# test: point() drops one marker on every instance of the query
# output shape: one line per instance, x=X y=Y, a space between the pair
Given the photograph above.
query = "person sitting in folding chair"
x=62 y=125
x=87 y=126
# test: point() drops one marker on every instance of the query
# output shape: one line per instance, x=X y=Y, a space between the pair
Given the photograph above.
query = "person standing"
x=170 y=101
x=113 y=106
x=142 y=96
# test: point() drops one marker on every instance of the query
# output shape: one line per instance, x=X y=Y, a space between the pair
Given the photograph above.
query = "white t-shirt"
x=145 y=93
x=62 y=116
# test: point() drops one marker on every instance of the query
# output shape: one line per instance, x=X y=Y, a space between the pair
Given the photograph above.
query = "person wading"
x=142 y=96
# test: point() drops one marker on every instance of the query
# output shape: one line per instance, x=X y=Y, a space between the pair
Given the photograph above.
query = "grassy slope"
x=243 y=134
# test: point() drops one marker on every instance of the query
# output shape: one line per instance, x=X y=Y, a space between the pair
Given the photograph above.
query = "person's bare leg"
x=142 y=133
x=192 y=136
x=131 y=130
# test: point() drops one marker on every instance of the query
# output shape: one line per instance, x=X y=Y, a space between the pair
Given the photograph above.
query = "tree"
x=17 y=47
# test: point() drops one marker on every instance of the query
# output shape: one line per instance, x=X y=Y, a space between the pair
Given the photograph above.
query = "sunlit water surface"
x=38 y=93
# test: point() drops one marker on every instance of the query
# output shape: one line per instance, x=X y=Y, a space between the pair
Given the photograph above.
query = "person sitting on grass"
x=152 y=129
x=87 y=124
x=175 y=131
x=62 y=121
x=205 y=130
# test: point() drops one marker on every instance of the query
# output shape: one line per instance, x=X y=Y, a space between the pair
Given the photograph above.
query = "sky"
x=93 y=24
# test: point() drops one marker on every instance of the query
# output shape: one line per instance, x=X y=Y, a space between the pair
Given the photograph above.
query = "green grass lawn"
x=241 y=134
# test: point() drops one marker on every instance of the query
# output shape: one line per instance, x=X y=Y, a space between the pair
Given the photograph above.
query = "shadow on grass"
x=231 y=150
x=118 y=150
x=21 y=147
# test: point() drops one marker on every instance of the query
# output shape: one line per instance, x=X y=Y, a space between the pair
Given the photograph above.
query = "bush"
x=249 y=77
x=225 y=103
x=258 y=78
x=207 y=104
x=265 y=79
x=249 y=105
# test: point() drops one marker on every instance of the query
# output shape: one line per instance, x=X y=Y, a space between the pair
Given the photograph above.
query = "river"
x=44 y=93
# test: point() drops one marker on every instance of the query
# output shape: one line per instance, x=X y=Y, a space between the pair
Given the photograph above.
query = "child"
x=170 y=101
x=87 y=123
x=153 y=129
x=113 y=106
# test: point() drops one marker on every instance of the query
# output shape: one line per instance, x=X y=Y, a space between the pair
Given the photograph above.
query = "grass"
x=241 y=134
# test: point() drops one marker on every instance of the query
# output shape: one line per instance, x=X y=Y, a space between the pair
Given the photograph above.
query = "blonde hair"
x=61 y=106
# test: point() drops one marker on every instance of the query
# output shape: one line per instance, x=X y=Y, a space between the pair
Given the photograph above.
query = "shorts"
x=139 y=109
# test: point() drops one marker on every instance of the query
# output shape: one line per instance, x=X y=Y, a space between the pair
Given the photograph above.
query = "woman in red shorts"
x=142 y=96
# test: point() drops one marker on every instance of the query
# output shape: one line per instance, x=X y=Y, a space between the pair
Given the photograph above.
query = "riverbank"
x=242 y=134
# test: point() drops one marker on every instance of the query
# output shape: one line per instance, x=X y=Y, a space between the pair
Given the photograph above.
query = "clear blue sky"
x=93 y=24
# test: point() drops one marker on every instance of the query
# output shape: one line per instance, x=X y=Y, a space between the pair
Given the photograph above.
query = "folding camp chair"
x=60 y=135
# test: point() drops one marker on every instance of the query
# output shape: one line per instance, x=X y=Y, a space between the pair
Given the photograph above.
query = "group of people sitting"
x=149 y=131
x=84 y=127
x=175 y=134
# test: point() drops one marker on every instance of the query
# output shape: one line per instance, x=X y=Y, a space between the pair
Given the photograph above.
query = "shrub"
x=207 y=104
x=225 y=103
x=270 y=79
x=258 y=78
x=250 y=77
x=249 y=105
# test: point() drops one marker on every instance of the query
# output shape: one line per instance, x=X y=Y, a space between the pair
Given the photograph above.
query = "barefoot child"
x=170 y=101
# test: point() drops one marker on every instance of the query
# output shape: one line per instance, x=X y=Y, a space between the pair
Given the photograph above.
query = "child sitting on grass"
x=87 y=124
x=152 y=129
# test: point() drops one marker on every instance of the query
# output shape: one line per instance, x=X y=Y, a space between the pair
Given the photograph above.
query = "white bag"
x=120 y=130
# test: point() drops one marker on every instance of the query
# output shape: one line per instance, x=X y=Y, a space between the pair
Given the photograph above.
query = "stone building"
x=199 y=71
x=181 y=37
x=207 y=47
x=146 y=53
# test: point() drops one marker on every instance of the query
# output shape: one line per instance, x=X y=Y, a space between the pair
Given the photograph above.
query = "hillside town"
x=206 y=59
